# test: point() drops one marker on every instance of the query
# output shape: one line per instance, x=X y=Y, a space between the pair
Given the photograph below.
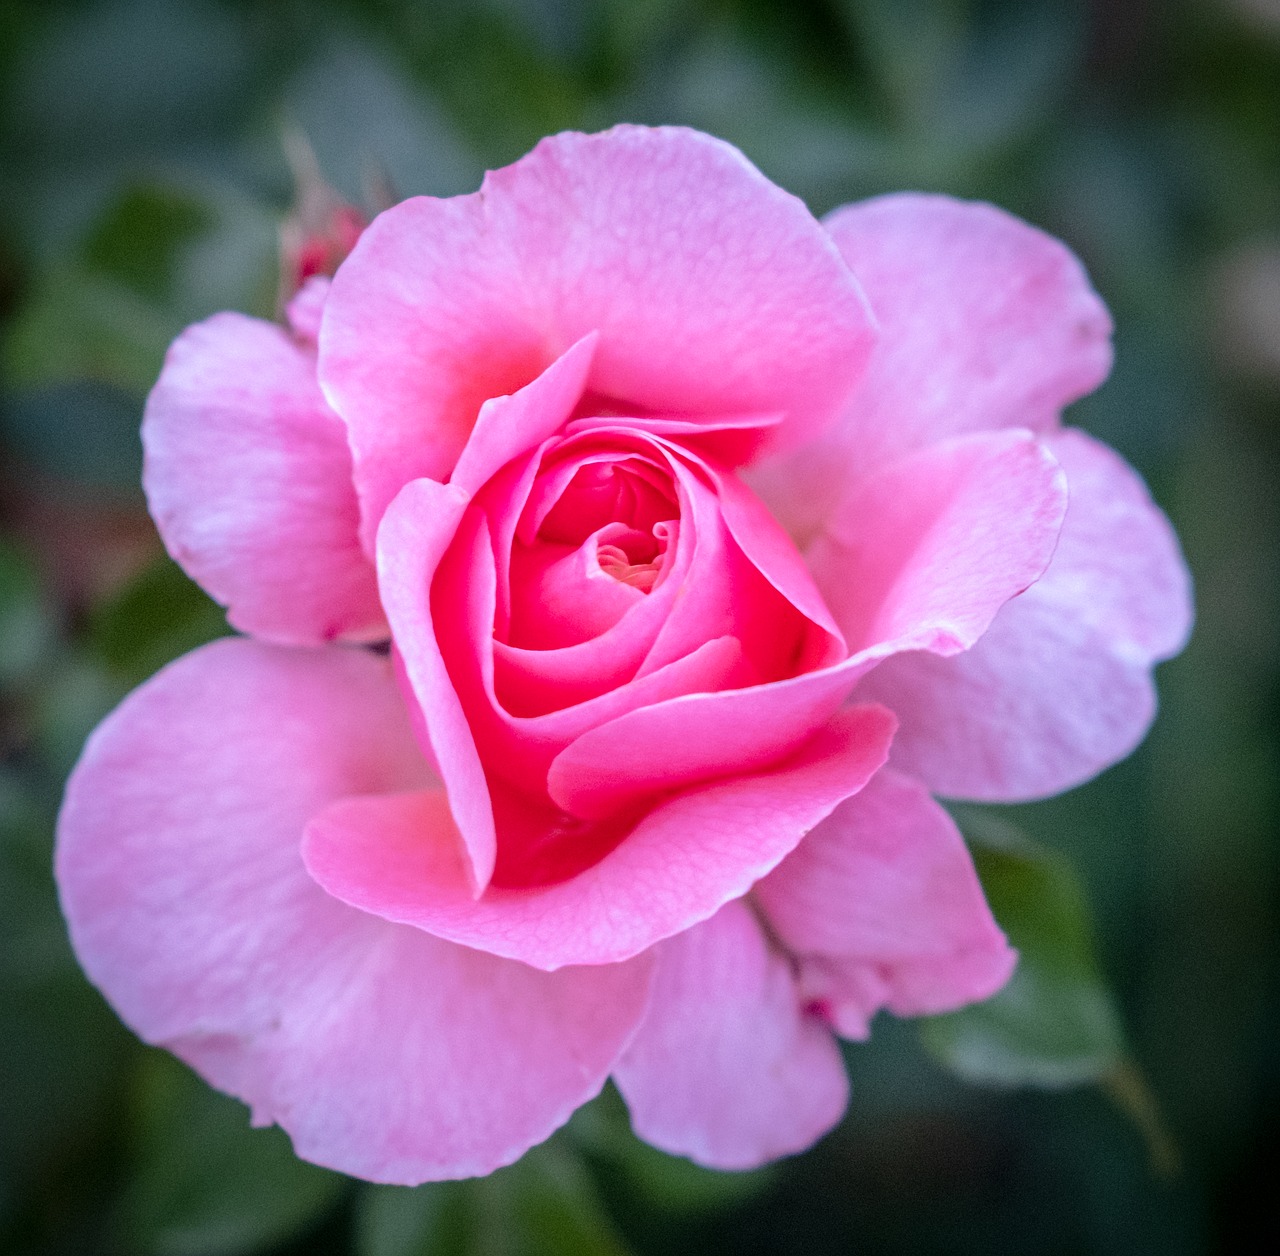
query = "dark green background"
x=141 y=184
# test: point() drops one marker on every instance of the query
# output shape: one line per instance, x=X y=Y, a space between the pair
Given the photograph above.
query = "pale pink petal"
x=1118 y=562
x=713 y=292
x=727 y=1068
x=1060 y=686
x=923 y=554
x=385 y=1053
x=415 y=536
x=986 y=322
x=248 y=478
x=882 y=906
x=508 y=426
x=691 y=854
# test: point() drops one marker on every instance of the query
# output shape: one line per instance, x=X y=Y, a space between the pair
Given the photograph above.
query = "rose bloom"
x=710 y=542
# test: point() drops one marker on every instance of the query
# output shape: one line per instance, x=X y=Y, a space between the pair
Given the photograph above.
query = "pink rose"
x=670 y=527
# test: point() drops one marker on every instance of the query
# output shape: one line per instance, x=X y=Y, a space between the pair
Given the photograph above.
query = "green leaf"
x=162 y=614
x=1055 y=1024
x=205 y=1183
x=544 y=1205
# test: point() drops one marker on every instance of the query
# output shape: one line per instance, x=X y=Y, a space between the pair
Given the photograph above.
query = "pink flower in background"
x=682 y=513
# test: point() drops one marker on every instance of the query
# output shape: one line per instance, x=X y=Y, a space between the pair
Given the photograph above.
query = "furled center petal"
x=632 y=557
x=595 y=539
x=565 y=595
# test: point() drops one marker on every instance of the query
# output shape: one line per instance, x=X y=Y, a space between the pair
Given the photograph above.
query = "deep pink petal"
x=726 y=1068
x=882 y=906
x=923 y=554
x=450 y=664
x=772 y=552
x=1060 y=686
x=713 y=292
x=985 y=322
x=248 y=477
x=384 y=1052
x=415 y=535
x=671 y=744
x=401 y=858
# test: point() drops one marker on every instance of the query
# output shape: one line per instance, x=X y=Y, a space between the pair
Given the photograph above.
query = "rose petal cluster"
x=625 y=559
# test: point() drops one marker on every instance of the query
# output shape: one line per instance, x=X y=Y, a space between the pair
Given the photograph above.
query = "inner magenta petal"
x=530 y=682
x=631 y=491
x=562 y=596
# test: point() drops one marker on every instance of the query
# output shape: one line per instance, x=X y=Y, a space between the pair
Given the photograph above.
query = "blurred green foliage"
x=141 y=181
x=1055 y=1023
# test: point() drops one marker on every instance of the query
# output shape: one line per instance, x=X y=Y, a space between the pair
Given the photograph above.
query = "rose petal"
x=449 y=661
x=1060 y=686
x=713 y=291
x=725 y=1068
x=695 y=737
x=883 y=906
x=412 y=542
x=401 y=859
x=508 y=426
x=248 y=478
x=1118 y=561
x=384 y=1052
x=925 y=552
x=986 y=323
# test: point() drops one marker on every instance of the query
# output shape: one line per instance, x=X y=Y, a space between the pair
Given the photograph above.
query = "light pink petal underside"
x=400 y=858
x=248 y=478
x=925 y=552
x=385 y=1053
x=1060 y=686
x=713 y=292
x=882 y=907
x=727 y=1068
x=986 y=323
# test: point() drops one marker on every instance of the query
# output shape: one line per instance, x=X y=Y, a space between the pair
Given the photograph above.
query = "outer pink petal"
x=385 y=1053
x=986 y=323
x=883 y=908
x=1060 y=686
x=713 y=292
x=248 y=477
x=401 y=858
x=413 y=540
x=1118 y=562
x=727 y=1069
x=924 y=553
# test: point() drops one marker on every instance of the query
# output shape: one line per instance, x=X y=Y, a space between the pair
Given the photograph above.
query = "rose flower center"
x=632 y=558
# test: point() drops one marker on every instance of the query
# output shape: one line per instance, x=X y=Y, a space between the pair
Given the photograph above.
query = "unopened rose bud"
x=321 y=228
